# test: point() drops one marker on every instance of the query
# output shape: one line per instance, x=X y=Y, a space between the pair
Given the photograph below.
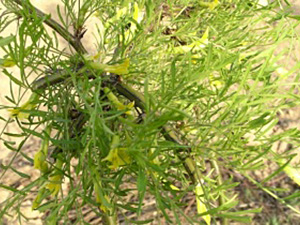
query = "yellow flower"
x=40 y=162
x=215 y=81
x=8 y=62
x=54 y=184
x=195 y=46
x=126 y=108
x=115 y=101
x=104 y=208
x=136 y=16
x=119 y=69
x=121 y=13
x=201 y=207
x=117 y=156
x=292 y=172
x=210 y=5
x=29 y=105
x=41 y=155
x=55 y=180
x=17 y=112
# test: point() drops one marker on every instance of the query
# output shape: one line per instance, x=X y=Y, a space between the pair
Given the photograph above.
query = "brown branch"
x=71 y=39
x=131 y=95
x=121 y=88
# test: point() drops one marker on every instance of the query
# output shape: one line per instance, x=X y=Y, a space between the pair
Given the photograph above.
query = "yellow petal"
x=210 y=5
x=121 y=12
x=127 y=108
x=137 y=15
x=292 y=172
x=8 y=62
x=119 y=15
x=174 y=187
x=54 y=184
x=55 y=180
x=103 y=207
x=195 y=46
x=201 y=207
x=118 y=157
x=204 y=38
x=40 y=162
x=16 y=112
x=29 y=105
x=98 y=199
x=136 y=12
x=115 y=101
x=215 y=81
x=97 y=56
x=119 y=69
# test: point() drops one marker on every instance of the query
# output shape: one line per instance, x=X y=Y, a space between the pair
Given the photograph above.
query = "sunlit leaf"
x=119 y=69
x=6 y=40
x=201 y=207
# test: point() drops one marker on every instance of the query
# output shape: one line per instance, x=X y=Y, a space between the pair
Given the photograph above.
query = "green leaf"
x=292 y=196
x=296 y=17
x=23 y=175
x=8 y=145
x=48 y=205
x=6 y=40
x=260 y=121
x=1 y=118
x=258 y=210
x=141 y=222
x=283 y=167
x=141 y=185
x=243 y=219
x=12 y=189
x=141 y=181
x=13 y=79
x=15 y=135
x=227 y=205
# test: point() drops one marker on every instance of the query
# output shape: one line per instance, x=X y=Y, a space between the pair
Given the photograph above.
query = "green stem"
x=109 y=219
x=224 y=221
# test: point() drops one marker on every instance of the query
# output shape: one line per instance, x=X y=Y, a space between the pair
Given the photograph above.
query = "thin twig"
x=71 y=39
x=131 y=95
x=121 y=88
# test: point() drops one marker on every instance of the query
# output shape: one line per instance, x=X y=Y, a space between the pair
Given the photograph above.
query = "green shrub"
x=174 y=95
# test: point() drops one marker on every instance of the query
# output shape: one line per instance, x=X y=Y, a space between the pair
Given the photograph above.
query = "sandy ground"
x=290 y=118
